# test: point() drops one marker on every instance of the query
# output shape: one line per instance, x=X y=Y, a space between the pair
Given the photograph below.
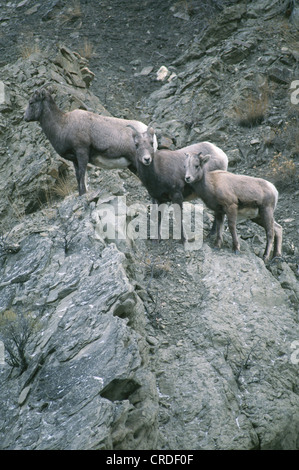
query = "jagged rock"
x=85 y=305
x=53 y=10
x=295 y=16
x=281 y=75
x=237 y=325
x=267 y=8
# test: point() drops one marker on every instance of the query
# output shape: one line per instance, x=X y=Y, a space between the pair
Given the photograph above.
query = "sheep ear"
x=43 y=94
x=150 y=131
x=204 y=159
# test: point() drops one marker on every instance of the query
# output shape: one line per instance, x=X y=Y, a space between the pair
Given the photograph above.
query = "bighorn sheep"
x=236 y=195
x=163 y=171
x=84 y=137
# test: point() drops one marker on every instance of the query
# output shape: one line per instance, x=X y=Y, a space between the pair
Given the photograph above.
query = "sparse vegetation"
x=64 y=187
x=73 y=12
x=283 y=170
x=185 y=5
x=251 y=111
x=17 y=206
x=15 y=332
x=28 y=49
x=86 y=50
x=285 y=138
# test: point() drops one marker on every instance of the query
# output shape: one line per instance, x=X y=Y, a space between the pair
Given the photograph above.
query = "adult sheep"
x=162 y=172
x=84 y=137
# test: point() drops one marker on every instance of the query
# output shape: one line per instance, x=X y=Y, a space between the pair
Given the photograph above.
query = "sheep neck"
x=148 y=177
x=202 y=186
x=51 y=121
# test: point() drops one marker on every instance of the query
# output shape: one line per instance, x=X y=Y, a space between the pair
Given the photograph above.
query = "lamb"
x=163 y=171
x=236 y=195
x=84 y=137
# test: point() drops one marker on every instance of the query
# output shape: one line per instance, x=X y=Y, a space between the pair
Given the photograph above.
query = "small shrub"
x=251 y=111
x=86 y=50
x=64 y=187
x=15 y=332
x=253 y=105
x=27 y=50
x=283 y=170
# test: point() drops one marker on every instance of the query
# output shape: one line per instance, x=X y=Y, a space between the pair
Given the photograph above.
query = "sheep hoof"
x=237 y=252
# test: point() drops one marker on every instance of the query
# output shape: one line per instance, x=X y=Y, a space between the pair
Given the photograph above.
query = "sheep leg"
x=266 y=220
x=219 y=220
x=213 y=229
x=277 y=240
x=80 y=168
x=232 y=214
x=178 y=199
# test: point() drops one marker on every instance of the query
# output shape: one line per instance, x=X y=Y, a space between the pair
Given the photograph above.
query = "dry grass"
x=251 y=111
x=253 y=106
x=283 y=170
x=73 y=12
x=18 y=207
x=284 y=139
x=64 y=187
x=47 y=198
x=86 y=50
x=27 y=49
x=289 y=34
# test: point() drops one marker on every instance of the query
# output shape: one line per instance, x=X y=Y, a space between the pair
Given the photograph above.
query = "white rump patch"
x=247 y=213
x=110 y=163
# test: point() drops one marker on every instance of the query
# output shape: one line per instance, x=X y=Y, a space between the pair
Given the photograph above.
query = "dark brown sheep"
x=163 y=171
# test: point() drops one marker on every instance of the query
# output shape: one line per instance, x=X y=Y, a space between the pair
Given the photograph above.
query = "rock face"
x=138 y=345
x=227 y=374
x=88 y=378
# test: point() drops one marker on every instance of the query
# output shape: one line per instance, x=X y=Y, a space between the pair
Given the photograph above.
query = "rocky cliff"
x=121 y=343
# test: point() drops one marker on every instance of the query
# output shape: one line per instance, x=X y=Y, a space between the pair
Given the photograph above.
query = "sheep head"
x=144 y=143
x=194 y=166
x=35 y=106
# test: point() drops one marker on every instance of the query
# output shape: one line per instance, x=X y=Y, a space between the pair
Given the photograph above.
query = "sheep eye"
x=196 y=167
